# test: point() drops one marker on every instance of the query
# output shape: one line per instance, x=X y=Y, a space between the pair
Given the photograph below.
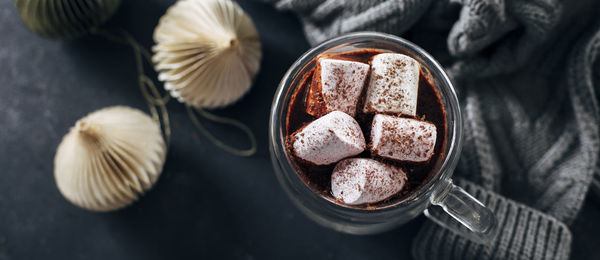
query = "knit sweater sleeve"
x=525 y=233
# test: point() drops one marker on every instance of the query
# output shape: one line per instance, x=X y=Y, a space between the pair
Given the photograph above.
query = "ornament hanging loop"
x=227 y=121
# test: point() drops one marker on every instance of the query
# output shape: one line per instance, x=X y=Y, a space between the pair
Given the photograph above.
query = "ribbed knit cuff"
x=525 y=233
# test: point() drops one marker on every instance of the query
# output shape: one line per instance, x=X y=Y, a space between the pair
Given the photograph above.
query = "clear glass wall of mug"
x=439 y=199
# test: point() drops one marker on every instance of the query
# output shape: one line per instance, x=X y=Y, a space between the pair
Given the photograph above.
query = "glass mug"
x=456 y=205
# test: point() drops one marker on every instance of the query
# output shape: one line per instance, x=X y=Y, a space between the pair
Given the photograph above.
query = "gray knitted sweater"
x=528 y=74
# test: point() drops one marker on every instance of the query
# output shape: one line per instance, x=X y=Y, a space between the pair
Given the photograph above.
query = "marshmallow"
x=402 y=139
x=394 y=85
x=336 y=85
x=329 y=139
x=359 y=180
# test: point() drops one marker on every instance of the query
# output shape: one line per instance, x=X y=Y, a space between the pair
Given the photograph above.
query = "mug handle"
x=455 y=209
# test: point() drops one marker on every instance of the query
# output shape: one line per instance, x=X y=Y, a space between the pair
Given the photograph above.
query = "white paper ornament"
x=207 y=52
x=109 y=158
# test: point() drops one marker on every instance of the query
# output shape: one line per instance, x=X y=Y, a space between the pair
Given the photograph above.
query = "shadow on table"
x=185 y=215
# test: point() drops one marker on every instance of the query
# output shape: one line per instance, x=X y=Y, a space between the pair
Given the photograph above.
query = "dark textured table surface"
x=203 y=206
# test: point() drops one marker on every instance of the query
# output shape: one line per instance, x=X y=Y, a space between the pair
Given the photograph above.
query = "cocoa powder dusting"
x=429 y=106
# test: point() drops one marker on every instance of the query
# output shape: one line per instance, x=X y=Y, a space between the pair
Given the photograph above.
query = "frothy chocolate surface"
x=429 y=108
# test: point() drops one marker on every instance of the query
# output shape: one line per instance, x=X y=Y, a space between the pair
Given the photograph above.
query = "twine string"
x=157 y=102
x=226 y=121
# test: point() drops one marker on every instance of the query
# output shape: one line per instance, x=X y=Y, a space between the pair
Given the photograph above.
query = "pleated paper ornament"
x=109 y=158
x=207 y=52
x=65 y=18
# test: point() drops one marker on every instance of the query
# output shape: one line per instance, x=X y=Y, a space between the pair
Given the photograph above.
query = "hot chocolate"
x=371 y=104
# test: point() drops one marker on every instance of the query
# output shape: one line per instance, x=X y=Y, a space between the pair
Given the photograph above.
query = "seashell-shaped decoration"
x=109 y=158
x=65 y=18
x=207 y=52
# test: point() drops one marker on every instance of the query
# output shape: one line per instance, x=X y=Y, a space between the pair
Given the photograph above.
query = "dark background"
x=207 y=203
